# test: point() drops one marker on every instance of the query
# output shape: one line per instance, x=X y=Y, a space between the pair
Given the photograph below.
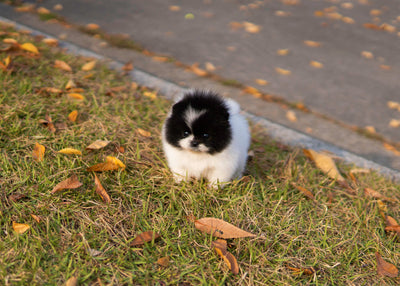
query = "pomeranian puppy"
x=205 y=136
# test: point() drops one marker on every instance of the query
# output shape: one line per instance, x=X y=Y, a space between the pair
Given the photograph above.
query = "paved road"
x=347 y=86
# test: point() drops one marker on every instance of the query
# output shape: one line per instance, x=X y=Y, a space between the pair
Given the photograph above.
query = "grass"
x=79 y=235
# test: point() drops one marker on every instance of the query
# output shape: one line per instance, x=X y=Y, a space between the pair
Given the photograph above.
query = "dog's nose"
x=194 y=143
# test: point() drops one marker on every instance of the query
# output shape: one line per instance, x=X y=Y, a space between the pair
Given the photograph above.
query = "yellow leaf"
x=115 y=161
x=73 y=115
x=260 y=81
x=42 y=10
x=312 y=44
x=70 y=151
x=38 y=152
x=230 y=260
x=10 y=41
x=72 y=281
x=62 y=65
x=325 y=164
x=291 y=116
x=220 y=228
x=111 y=164
x=144 y=133
x=76 y=96
x=394 y=123
x=251 y=27
x=36 y=218
x=92 y=26
x=30 y=48
x=391 y=148
x=283 y=71
x=283 y=52
x=89 y=66
x=316 y=64
x=20 y=228
x=150 y=94
x=7 y=61
x=70 y=84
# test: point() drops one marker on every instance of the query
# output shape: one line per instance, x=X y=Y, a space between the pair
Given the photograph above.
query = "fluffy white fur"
x=217 y=168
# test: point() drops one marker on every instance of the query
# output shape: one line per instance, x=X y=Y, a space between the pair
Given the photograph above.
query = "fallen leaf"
x=10 y=41
x=89 y=66
x=382 y=208
x=38 y=152
x=48 y=123
x=230 y=260
x=251 y=27
x=368 y=192
x=111 y=164
x=385 y=67
x=43 y=10
x=25 y=8
x=283 y=52
x=174 y=8
x=16 y=197
x=367 y=55
x=393 y=105
x=150 y=94
x=70 y=183
x=101 y=191
x=98 y=144
x=36 y=218
x=58 y=7
x=92 y=26
x=394 y=123
x=371 y=26
x=325 y=163
x=253 y=91
x=73 y=115
x=72 y=281
x=291 y=2
x=70 y=84
x=281 y=13
x=77 y=96
x=385 y=268
x=388 y=28
x=144 y=133
x=391 y=148
x=306 y=192
x=163 y=261
x=312 y=44
x=291 y=116
x=146 y=236
x=70 y=151
x=370 y=129
x=299 y=271
x=198 y=71
x=316 y=64
x=283 y=71
x=62 y=65
x=392 y=225
x=260 y=81
x=50 y=90
x=128 y=66
x=375 y=12
x=209 y=67
x=219 y=228
x=20 y=228
x=30 y=48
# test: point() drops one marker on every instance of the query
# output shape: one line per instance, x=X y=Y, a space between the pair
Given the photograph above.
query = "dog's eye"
x=205 y=135
x=186 y=134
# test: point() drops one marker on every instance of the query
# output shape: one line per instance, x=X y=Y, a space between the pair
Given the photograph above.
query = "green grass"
x=337 y=238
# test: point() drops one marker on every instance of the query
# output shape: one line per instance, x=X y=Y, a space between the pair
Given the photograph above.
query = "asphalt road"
x=345 y=85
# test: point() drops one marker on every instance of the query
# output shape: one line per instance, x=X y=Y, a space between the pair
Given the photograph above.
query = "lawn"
x=309 y=228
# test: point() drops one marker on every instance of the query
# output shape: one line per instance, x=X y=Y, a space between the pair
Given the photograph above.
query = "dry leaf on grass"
x=62 y=65
x=50 y=42
x=385 y=268
x=20 y=228
x=101 y=191
x=73 y=115
x=70 y=183
x=70 y=151
x=219 y=228
x=36 y=218
x=306 y=192
x=38 y=152
x=77 y=96
x=146 y=236
x=30 y=48
x=111 y=164
x=302 y=271
x=163 y=261
x=72 y=281
x=392 y=225
x=325 y=164
x=48 y=122
x=144 y=133
x=89 y=66
x=98 y=144
x=230 y=260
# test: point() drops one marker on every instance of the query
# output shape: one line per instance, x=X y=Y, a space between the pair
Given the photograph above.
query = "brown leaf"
x=72 y=281
x=316 y=64
x=392 y=225
x=391 y=148
x=146 y=236
x=70 y=183
x=144 y=133
x=163 y=261
x=62 y=65
x=385 y=268
x=253 y=91
x=198 y=71
x=36 y=218
x=16 y=197
x=306 y=192
x=98 y=144
x=38 y=152
x=128 y=66
x=50 y=42
x=230 y=260
x=92 y=26
x=219 y=228
x=312 y=44
x=299 y=271
x=372 y=26
x=101 y=191
x=20 y=228
x=325 y=164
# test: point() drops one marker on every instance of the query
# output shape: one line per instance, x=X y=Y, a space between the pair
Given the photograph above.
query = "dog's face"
x=199 y=124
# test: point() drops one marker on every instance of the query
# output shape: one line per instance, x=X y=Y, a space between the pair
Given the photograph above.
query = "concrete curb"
x=275 y=131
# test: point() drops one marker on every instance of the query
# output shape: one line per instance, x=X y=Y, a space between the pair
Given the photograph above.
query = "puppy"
x=205 y=136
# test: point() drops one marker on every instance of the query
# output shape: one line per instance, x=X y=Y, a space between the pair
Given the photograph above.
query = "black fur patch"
x=212 y=127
